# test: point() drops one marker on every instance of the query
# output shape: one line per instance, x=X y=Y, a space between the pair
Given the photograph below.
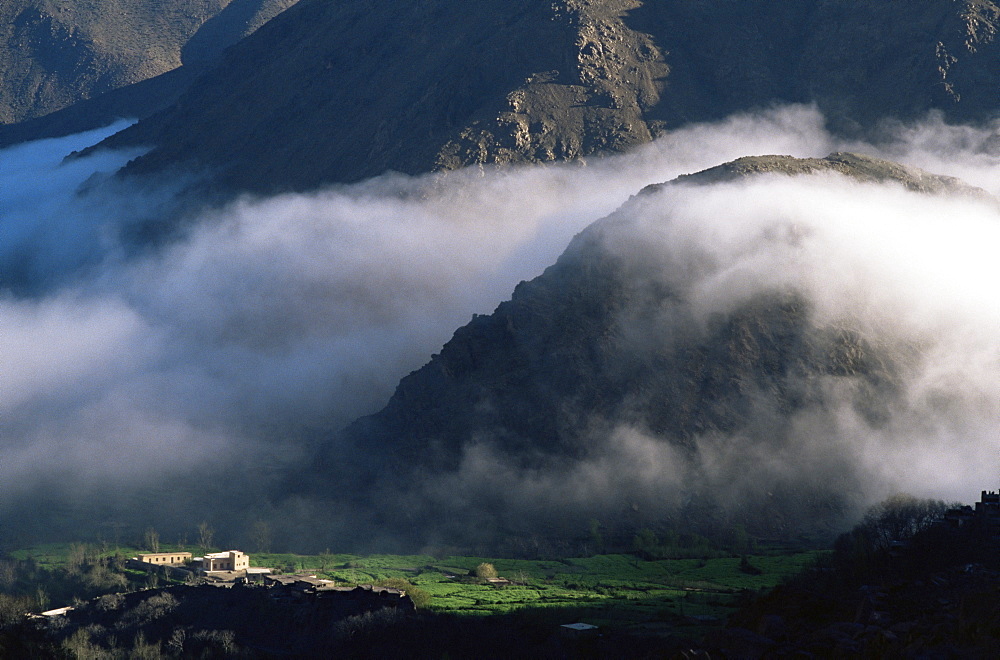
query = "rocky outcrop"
x=345 y=91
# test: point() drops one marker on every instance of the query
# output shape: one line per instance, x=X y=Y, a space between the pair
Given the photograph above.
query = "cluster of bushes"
x=864 y=554
x=421 y=599
x=27 y=586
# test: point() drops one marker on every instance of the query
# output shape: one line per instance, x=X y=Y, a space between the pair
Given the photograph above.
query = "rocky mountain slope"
x=58 y=53
x=344 y=91
x=610 y=387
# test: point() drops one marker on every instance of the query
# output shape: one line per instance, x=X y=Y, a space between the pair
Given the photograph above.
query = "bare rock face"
x=595 y=102
x=344 y=91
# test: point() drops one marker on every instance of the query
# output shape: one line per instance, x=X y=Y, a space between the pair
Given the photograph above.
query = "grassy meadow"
x=610 y=589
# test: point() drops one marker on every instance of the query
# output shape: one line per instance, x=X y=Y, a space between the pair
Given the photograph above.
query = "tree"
x=261 y=536
x=205 y=537
x=41 y=598
x=151 y=540
x=176 y=642
x=485 y=571
x=646 y=544
x=324 y=560
x=76 y=558
x=145 y=650
x=13 y=608
x=899 y=518
x=8 y=572
x=596 y=538
x=80 y=645
x=863 y=553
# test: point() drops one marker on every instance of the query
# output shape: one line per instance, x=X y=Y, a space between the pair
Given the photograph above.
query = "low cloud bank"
x=893 y=383
x=272 y=322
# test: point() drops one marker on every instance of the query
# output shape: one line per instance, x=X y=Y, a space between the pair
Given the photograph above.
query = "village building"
x=297 y=583
x=986 y=513
x=224 y=578
x=988 y=507
x=219 y=566
x=164 y=558
x=231 y=560
x=257 y=574
x=309 y=588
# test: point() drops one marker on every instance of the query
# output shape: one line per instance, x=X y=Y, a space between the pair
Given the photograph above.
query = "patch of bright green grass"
x=607 y=587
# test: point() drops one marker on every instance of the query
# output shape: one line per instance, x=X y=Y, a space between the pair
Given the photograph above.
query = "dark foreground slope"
x=885 y=592
x=612 y=387
x=347 y=90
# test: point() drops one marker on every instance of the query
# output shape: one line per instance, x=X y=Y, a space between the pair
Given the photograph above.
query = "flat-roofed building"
x=165 y=558
x=231 y=560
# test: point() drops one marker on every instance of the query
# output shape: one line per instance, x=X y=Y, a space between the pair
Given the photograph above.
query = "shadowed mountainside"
x=602 y=366
x=345 y=91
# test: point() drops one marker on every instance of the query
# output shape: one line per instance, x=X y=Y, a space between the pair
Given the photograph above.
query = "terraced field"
x=611 y=589
x=605 y=587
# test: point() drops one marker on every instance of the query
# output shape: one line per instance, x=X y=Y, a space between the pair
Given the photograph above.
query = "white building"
x=231 y=560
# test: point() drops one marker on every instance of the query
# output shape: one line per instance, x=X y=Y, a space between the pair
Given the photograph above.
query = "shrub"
x=110 y=602
x=485 y=571
x=421 y=599
x=748 y=568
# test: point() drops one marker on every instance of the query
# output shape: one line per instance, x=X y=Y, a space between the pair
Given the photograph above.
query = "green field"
x=603 y=589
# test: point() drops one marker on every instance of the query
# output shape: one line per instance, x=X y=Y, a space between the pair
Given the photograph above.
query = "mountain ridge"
x=595 y=353
x=316 y=99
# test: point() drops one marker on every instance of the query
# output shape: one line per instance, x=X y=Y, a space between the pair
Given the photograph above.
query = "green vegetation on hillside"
x=638 y=600
x=57 y=575
x=604 y=588
x=610 y=587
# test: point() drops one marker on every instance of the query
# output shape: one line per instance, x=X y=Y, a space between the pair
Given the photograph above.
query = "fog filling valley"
x=176 y=383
